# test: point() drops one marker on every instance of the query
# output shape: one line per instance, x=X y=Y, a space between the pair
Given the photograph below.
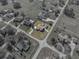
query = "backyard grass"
x=75 y=55
x=39 y=35
x=15 y=23
x=2 y=24
x=25 y=28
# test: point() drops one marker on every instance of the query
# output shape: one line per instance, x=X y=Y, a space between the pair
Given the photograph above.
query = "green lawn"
x=25 y=28
x=39 y=35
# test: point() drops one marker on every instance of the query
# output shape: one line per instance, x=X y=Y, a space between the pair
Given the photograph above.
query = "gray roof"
x=23 y=45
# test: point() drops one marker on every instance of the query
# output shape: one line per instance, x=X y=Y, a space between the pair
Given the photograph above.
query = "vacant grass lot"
x=47 y=53
x=75 y=55
x=71 y=24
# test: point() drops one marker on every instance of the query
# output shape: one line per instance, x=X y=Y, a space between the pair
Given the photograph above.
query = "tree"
x=16 y=5
x=31 y=0
x=77 y=52
x=61 y=3
x=10 y=31
x=43 y=3
x=9 y=48
x=13 y=42
x=13 y=1
x=1 y=41
x=57 y=13
x=69 y=12
x=77 y=2
x=16 y=14
x=3 y=33
x=22 y=14
x=4 y=2
x=53 y=40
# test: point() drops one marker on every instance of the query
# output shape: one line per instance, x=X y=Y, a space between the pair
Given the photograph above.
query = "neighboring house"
x=9 y=31
x=28 y=22
x=6 y=11
x=18 y=19
x=43 y=15
x=7 y=14
x=4 y=2
x=16 y=5
x=23 y=45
